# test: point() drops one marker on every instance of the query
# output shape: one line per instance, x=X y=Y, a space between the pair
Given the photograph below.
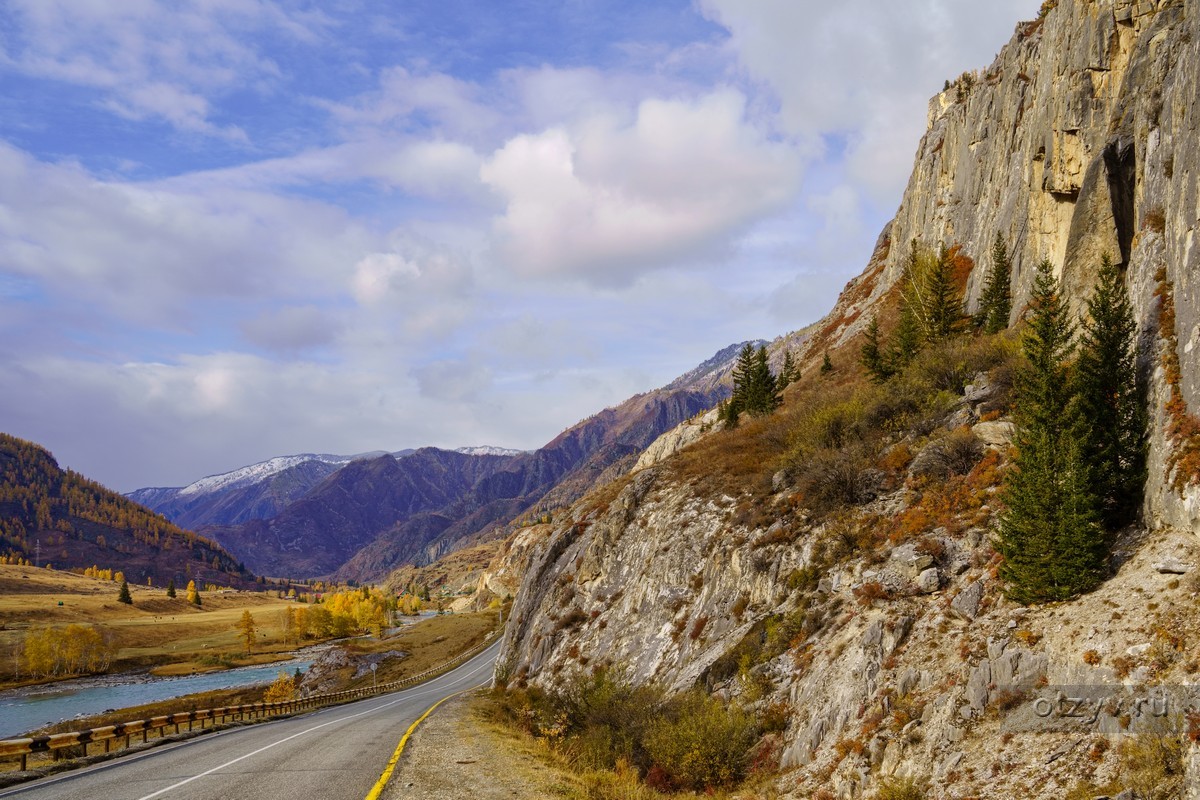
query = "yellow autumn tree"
x=283 y=689
x=246 y=629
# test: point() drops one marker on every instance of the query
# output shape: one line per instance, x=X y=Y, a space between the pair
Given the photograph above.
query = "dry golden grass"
x=429 y=643
x=156 y=630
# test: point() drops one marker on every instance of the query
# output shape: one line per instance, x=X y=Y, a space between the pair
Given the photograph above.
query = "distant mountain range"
x=358 y=517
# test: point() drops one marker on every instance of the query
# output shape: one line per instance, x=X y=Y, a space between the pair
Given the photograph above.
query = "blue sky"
x=233 y=229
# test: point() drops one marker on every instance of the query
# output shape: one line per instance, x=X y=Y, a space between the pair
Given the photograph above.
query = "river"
x=24 y=710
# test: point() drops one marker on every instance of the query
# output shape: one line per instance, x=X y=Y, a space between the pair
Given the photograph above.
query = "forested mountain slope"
x=61 y=518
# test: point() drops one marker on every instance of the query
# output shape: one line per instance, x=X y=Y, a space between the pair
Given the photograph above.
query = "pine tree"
x=995 y=303
x=1050 y=536
x=171 y=588
x=871 y=355
x=743 y=370
x=826 y=364
x=789 y=373
x=123 y=595
x=1112 y=399
x=761 y=395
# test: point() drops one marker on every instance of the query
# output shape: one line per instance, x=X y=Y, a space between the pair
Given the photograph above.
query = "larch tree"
x=1112 y=399
x=193 y=594
x=1050 y=535
x=246 y=629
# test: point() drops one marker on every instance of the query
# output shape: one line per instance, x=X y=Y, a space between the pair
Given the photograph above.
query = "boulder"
x=928 y=581
x=1171 y=566
x=966 y=602
x=995 y=433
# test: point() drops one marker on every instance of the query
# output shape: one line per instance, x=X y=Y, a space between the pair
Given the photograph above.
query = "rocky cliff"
x=881 y=625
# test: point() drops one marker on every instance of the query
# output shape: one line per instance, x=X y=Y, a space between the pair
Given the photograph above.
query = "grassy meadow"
x=169 y=635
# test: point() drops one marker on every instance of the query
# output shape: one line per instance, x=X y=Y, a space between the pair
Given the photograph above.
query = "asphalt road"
x=332 y=754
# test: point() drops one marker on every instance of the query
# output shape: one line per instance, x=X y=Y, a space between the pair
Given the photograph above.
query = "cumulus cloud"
x=864 y=69
x=611 y=198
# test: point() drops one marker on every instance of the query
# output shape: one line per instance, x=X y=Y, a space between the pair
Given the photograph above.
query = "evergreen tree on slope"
x=1050 y=535
x=1112 y=400
x=995 y=304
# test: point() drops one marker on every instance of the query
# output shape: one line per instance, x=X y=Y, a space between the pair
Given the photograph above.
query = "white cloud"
x=864 y=70
x=453 y=380
x=293 y=329
x=148 y=251
x=611 y=198
x=152 y=59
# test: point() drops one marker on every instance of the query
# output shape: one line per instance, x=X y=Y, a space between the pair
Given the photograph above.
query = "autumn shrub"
x=699 y=743
x=1153 y=765
x=1155 y=219
x=282 y=689
x=833 y=479
x=956 y=453
x=900 y=789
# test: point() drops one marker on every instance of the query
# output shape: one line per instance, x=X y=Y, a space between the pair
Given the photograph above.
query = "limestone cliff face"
x=1081 y=139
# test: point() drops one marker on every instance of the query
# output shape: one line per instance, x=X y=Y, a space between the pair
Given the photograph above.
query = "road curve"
x=331 y=754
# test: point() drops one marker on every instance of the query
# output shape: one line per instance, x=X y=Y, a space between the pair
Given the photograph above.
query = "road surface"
x=333 y=754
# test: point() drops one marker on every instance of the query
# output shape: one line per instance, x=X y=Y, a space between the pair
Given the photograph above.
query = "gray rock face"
x=967 y=601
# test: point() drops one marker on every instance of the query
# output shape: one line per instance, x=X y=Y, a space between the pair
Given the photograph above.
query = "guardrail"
x=23 y=748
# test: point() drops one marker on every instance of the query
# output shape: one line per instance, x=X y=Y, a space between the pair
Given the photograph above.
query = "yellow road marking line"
x=377 y=789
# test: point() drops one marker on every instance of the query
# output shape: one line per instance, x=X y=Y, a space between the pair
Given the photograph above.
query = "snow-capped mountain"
x=487 y=450
x=256 y=473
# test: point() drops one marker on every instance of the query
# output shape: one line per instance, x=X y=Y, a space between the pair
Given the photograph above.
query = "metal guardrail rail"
x=25 y=747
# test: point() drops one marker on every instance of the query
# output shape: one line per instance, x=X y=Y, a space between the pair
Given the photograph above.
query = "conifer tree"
x=193 y=594
x=995 y=303
x=743 y=368
x=1050 y=536
x=872 y=355
x=123 y=595
x=761 y=394
x=171 y=588
x=788 y=373
x=755 y=389
x=826 y=364
x=1112 y=399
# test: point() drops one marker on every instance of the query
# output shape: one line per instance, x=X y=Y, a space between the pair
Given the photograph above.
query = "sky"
x=236 y=229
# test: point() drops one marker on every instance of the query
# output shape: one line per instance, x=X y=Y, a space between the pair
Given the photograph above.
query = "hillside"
x=832 y=565
x=77 y=523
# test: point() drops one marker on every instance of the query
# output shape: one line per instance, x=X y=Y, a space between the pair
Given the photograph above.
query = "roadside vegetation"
x=624 y=741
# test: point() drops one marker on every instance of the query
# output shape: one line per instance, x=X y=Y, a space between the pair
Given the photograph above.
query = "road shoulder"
x=457 y=753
